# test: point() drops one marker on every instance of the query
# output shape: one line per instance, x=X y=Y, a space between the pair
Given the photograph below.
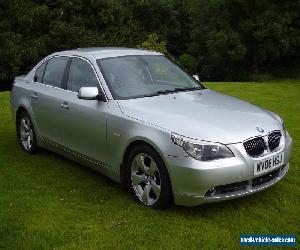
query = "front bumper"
x=195 y=182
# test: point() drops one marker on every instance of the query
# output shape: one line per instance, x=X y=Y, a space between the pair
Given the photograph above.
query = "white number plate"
x=268 y=164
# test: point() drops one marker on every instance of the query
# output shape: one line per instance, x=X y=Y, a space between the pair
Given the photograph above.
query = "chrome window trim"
x=69 y=56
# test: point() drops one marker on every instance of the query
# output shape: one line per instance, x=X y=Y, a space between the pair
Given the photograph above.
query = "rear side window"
x=54 y=72
x=39 y=73
x=81 y=74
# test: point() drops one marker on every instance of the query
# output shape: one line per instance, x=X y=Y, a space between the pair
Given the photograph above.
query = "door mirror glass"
x=196 y=77
x=88 y=93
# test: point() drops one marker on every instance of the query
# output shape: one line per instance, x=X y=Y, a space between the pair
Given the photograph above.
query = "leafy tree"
x=153 y=43
x=10 y=55
x=188 y=62
x=233 y=38
x=220 y=39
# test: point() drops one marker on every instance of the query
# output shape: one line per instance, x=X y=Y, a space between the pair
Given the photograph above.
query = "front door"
x=84 y=124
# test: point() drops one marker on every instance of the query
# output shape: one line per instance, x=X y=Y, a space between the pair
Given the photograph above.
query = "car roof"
x=104 y=52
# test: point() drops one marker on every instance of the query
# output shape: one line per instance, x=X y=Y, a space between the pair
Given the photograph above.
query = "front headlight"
x=283 y=127
x=200 y=150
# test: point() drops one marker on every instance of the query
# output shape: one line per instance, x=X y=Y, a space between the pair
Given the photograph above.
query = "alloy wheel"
x=145 y=179
x=26 y=133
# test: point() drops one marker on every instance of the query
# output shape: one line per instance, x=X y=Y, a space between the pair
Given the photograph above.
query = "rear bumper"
x=196 y=182
x=13 y=108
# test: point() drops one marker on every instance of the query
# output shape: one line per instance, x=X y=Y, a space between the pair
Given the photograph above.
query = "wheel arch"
x=133 y=143
x=20 y=109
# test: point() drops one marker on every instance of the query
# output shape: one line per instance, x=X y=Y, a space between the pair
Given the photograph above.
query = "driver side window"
x=81 y=74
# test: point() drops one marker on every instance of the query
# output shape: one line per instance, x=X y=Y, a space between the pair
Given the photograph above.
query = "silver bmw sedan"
x=140 y=119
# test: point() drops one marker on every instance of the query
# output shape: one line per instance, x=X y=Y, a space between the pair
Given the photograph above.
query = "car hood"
x=203 y=115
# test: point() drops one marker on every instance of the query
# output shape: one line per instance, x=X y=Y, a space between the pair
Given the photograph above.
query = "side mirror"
x=90 y=93
x=197 y=77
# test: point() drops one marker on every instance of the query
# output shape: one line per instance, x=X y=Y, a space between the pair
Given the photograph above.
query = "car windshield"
x=144 y=75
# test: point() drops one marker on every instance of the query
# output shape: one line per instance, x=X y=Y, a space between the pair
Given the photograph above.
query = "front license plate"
x=268 y=164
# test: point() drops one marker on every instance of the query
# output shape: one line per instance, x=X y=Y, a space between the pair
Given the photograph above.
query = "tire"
x=26 y=134
x=147 y=177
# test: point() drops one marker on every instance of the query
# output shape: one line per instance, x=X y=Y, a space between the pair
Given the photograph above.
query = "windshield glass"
x=144 y=75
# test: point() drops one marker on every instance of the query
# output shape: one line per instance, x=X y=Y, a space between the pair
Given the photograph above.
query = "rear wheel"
x=148 y=177
x=26 y=134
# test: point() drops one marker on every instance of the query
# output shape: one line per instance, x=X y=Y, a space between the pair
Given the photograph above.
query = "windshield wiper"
x=160 y=92
x=167 y=91
x=187 y=89
x=177 y=90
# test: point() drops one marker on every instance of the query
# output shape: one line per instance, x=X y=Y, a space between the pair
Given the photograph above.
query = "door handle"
x=34 y=96
x=64 y=105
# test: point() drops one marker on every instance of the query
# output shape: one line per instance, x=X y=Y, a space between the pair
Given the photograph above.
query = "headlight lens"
x=202 y=151
x=283 y=127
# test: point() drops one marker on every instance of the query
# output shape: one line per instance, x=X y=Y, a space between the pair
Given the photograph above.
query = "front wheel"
x=26 y=134
x=148 y=177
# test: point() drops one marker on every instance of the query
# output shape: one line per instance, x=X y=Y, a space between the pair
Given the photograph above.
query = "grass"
x=47 y=201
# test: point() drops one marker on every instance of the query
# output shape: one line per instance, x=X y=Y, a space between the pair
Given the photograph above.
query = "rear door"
x=84 y=121
x=47 y=98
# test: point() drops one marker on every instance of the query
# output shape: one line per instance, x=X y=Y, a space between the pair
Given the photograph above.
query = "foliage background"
x=220 y=39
